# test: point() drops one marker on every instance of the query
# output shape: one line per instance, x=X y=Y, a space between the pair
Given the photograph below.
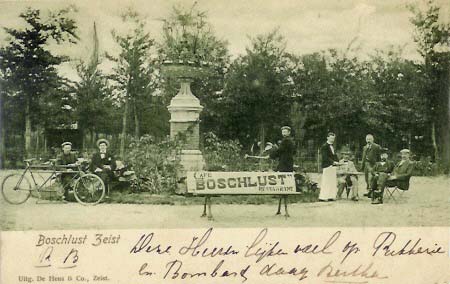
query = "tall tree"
x=331 y=90
x=92 y=92
x=133 y=72
x=310 y=76
x=257 y=91
x=397 y=109
x=433 y=37
x=28 y=67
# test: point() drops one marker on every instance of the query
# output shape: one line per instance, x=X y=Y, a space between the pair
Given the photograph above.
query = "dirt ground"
x=425 y=204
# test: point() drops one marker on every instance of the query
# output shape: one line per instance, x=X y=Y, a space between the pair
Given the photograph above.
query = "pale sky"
x=308 y=25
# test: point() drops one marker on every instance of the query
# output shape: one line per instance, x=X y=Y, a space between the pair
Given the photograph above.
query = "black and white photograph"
x=229 y=114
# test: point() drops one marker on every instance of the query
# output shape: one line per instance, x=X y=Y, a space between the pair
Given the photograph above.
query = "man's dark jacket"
x=98 y=162
x=387 y=167
x=285 y=155
x=327 y=156
x=370 y=155
x=66 y=159
x=403 y=173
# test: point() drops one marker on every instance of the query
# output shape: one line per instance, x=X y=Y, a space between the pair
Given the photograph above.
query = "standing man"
x=328 y=188
x=371 y=155
x=103 y=163
x=68 y=159
x=285 y=152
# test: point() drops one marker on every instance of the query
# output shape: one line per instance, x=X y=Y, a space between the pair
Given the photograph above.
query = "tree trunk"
x=318 y=160
x=83 y=139
x=136 y=121
x=445 y=124
x=124 y=129
x=91 y=138
x=262 y=133
x=2 y=142
x=2 y=133
x=45 y=144
x=27 y=129
x=262 y=138
x=433 y=139
x=37 y=146
x=298 y=119
x=409 y=141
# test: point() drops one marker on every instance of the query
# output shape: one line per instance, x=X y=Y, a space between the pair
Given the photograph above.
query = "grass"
x=166 y=199
x=125 y=196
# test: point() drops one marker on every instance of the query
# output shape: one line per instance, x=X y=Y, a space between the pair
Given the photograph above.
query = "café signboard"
x=204 y=183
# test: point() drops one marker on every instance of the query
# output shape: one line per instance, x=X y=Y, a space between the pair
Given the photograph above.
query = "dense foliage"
x=156 y=163
x=432 y=33
x=403 y=103
x=222 y=155
x=28 y=69
x=187 y=38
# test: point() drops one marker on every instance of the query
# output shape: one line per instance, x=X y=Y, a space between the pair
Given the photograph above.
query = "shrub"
x=223 y=155
x=14 y=157
x=424 y=167
x=156 y=164
x=309 y=166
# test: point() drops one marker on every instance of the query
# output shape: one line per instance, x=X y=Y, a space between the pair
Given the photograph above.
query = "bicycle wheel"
x=89 y=189
x=16 y=189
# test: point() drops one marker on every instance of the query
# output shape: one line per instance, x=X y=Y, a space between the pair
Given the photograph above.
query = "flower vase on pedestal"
x=185 y=111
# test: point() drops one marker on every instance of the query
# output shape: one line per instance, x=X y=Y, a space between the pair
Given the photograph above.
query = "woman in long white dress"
x=328 y=187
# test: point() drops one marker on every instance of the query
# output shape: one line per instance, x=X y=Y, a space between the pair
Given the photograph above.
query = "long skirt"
x=328 y=187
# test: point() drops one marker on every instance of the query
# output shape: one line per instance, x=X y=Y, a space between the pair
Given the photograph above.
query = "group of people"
x=339 y=174
x=102 y=163
x=379 y=171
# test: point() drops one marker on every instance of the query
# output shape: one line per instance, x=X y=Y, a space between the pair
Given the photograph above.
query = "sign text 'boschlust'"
x=240 y=182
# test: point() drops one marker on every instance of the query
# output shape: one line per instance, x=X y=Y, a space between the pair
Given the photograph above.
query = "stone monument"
x=185 y=111
x=188 y=52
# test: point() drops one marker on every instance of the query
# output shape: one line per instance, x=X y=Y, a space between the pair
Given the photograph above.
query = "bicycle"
x=88 y=188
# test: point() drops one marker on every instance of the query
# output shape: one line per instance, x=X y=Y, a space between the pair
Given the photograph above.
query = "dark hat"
x=66 y=143
x=384 y=151
x=405 y=151
x=286 y=127
x=100 y=141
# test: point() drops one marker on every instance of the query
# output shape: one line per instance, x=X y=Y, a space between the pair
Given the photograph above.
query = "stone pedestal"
x=184 y=111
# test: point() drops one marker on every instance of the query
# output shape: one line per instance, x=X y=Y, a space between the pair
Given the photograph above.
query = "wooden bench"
x=213 y=184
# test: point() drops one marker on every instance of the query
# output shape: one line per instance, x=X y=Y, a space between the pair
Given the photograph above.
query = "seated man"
x=66 y=158
x=347 y=176
x=103 y=163
x=380 y=173
x=399 y=177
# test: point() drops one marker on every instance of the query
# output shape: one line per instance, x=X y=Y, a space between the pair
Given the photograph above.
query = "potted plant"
x=188 y=45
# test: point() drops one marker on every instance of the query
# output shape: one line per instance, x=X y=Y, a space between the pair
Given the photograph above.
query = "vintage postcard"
x=222 y=141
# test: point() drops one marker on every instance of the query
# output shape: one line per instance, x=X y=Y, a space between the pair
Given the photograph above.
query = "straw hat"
x=66 y=143
x=100 y=141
